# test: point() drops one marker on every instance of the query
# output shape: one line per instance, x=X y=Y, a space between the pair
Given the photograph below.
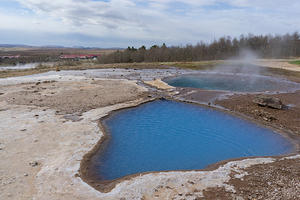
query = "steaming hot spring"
x=168 y=135
x=232 y=82
x=235 y=77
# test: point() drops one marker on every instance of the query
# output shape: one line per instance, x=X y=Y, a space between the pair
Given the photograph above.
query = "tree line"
x=266 y=46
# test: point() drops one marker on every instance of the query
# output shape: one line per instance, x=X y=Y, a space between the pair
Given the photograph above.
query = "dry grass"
x=290 y=75
x=197 y=65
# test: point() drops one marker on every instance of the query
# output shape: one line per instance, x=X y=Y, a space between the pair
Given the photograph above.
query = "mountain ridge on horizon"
x=54 y=47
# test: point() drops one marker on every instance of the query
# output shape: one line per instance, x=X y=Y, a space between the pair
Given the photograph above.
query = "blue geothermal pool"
x=232 y=82
x=168 y=135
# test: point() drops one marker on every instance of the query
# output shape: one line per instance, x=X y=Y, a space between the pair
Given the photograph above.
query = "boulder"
x=271 y=102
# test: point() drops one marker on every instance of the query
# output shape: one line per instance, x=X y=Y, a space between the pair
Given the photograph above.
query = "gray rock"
x=33 y=163
x=73 y=117
x=271 y=102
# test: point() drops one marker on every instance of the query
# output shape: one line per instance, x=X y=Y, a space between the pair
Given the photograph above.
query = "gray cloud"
x=171 y=21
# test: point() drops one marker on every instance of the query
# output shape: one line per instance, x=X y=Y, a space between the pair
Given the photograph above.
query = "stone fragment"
x=33 y=163
x=266 y=101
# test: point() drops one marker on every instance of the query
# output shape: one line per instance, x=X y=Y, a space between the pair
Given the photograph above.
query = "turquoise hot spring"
x=168 y=135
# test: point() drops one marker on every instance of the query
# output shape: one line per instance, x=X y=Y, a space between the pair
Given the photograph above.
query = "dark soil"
x=287 y=119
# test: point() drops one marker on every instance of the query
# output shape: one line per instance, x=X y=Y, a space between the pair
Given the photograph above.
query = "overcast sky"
x=120 y=23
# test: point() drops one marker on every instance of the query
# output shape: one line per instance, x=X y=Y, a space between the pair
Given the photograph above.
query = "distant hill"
x=54 y=47
x=14 y=46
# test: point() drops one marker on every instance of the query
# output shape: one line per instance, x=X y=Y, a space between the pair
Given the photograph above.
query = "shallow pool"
x=232 y=82
x=168 y=135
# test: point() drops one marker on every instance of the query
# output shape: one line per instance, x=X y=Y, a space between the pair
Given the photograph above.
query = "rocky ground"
x=45 y=131
x=50 y=121
x=277 y=180
x=287 y=118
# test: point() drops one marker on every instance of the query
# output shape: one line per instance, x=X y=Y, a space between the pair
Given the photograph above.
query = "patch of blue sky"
x=10 y=6
x=181 y=8
x=178 y=8
x=142 y=3
x=221 y=6
x=102 y=0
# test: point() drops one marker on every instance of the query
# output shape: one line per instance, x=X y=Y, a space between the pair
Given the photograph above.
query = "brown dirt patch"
x=288 y=119
x=75 y=97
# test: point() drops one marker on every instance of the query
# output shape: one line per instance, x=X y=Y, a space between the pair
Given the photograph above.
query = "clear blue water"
x=168 y=135
x=232 y=82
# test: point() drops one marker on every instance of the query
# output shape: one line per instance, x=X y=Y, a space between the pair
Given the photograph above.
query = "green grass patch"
x=295 y=62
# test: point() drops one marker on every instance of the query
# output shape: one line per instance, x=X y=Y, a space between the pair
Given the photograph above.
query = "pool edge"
x=107 y=186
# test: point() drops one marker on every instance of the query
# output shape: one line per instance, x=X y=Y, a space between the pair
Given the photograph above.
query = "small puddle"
x=168 y=135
